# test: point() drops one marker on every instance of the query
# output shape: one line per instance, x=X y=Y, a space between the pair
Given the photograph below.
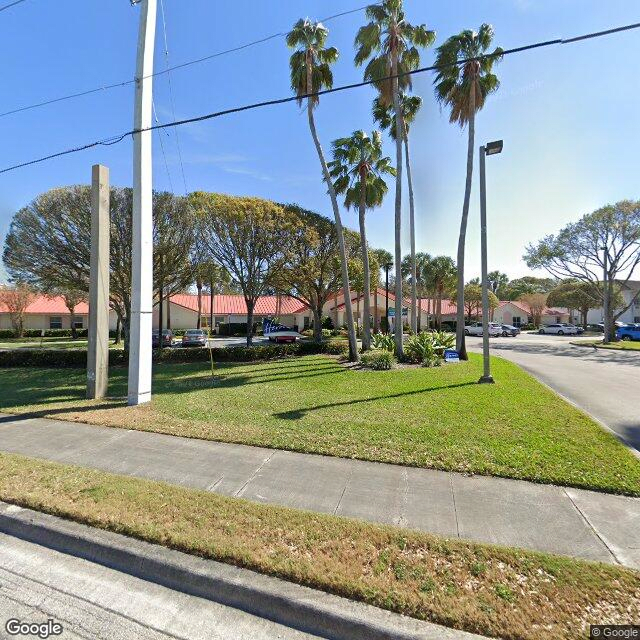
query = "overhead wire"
x=189 y=63
x=354 y=85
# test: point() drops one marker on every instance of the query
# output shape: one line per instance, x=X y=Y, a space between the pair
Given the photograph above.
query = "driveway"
x=602 y=382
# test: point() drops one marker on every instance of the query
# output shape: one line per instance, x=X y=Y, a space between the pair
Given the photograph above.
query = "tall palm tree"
x=421 y=261
x=310 y=66
x=463 y=81
x=383 y=114
x=389 y=43
x=358 y=169
x=385 y=260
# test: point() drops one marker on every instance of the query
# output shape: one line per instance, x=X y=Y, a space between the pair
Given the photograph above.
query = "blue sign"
x=392 y=312
x=450 y=355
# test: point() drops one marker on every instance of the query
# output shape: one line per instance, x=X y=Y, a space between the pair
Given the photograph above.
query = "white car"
x=560 y=329
x=475 y=329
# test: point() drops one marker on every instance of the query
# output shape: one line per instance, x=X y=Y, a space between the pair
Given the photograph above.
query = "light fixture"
x=493 y=148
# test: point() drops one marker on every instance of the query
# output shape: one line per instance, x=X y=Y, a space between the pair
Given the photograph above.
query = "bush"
x=62 y=358
x=428 y=347
x=384 y=341
x=48 y=333
x=327 y=333
x=378 y=360
x=327 y=323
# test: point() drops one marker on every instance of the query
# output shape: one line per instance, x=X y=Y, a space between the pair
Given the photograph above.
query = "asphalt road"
x=93 y=602
x=603 y=382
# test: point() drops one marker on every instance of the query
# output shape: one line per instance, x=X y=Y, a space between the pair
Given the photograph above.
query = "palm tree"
x=385 y=260
x=358 y=169
x=383 y=114
x=390 y=44
x=421 y=260
x=463 y=81
x=310 y=66
x=440 y=276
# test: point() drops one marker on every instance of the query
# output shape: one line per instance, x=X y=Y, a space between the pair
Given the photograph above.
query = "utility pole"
x=98 y=347
x=139 y=390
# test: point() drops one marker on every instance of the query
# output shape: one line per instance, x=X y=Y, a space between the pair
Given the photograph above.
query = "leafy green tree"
x=247 y=237
x=311 y=271
x=605 y=242
x=463 y=81
x=581 y=296
x=473 y=301
x=49 y=244
x=527 y=284
x=310 y=66
x=390 y=45
x=359 y=169
x=383 y=114
x=536 y=303
x=497 y=281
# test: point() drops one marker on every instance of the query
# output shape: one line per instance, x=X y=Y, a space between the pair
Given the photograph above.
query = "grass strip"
x=437 y=418
x=623 y=345
x=498 y=591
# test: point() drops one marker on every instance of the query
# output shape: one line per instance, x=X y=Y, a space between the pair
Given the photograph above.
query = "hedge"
x=49 y=333
x=58 y=358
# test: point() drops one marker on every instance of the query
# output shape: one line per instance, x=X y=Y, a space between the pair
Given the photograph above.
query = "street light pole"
x=139 y=386
x=605 y=296
x=386 y=280
x=490 y=149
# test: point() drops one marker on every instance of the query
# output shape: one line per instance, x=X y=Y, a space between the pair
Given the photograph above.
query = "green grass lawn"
x=50 y=343
x=508 y=593
x=436 y=418
x=623 y=345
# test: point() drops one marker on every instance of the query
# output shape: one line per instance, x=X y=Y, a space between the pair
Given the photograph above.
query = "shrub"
x=378 y=360
x=327 y=333
x=384 y=341
x=428 y=347
x=61 y=358
x=235 y=328
x=327 y=322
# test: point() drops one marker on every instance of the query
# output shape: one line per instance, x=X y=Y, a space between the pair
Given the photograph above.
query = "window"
x=55 y=322
x=77 y=323
x=517 y=321
x=306 y=322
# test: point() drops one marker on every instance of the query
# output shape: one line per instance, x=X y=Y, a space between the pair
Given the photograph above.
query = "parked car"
x=559 y=329
x=194 y=338
x=617 y=323
x=630 y=332
x=167 y=338
x=475 y=329
x=509 y=330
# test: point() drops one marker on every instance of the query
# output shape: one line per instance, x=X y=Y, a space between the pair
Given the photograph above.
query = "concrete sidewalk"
x=561 y=520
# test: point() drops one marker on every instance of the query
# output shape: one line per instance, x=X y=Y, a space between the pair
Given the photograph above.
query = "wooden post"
x=98 y=348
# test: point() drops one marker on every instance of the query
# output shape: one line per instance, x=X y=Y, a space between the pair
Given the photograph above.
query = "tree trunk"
x=419 y=314
x=376 y=316
x=317 y=322
x=398 y=204
x=584 y=312
x=250 y=306
x=160 y=294
x=353 y=345
x=118 y=331
x=199 y=287
x=366 y=326
x=168 y=302
x=412 y=233
x=461 y=346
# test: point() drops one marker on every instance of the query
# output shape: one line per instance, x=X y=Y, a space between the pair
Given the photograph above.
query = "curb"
x=289 y=604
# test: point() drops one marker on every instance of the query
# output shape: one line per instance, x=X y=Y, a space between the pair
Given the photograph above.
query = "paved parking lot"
x=602 y=382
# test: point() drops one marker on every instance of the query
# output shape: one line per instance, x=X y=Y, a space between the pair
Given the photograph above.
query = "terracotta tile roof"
x=235 y=304
x=523 y=306
x=51 y=306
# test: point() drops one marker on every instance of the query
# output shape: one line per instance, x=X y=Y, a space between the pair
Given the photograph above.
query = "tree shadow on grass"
x=297 y=414
x=50 y=413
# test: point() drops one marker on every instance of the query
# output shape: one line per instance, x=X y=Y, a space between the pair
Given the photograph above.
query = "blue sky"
x=568 y=115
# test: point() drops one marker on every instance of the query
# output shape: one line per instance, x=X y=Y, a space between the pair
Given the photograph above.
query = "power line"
x=164 y=155
x=11 y=4
x=171 y=100
x=345 y=87
x=168 y=70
